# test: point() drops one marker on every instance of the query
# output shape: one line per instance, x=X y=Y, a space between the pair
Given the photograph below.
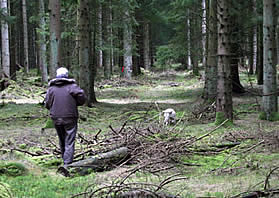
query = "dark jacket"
x=62 y=98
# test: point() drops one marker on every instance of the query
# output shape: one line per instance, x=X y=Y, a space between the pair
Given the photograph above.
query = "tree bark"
x=84 y=41
x=194 y=27
x=269 y=58
x=5 y=47
x=224 y=84
x=254 y=49
x=92 y=70
x=259 y=68
x=25 y=37
x=93 y=58
x=100 y=35
x=127 y=42
x=42 y=43
x=13 y=44
x=210 y=89
x=55 y=36
x=204 y=35
x=189 y=62
x=146 y=44
x=106 y=41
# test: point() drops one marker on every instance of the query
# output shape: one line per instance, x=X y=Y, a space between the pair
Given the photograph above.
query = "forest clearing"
x=139 y=99
x=193 y=158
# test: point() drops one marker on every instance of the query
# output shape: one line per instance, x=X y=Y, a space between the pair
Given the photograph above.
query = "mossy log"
x=102 y=161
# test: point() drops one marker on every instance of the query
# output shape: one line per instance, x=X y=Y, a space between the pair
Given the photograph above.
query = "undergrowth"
x=209 y=171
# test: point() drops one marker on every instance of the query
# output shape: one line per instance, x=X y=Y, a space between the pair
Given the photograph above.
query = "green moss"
x=52 y=163
x=210 y=162
x=47 y=161
x=12 y=169
x=22 y=146
x=220 y=118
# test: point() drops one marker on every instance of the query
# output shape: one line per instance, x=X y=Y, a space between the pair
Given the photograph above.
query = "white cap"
x=62 y=72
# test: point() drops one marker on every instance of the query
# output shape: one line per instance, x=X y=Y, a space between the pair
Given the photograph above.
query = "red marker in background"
x=123 y=69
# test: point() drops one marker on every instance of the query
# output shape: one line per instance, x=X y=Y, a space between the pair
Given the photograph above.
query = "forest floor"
x=202 y=160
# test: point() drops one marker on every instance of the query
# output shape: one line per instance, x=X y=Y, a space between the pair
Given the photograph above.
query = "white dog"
x=169 y=116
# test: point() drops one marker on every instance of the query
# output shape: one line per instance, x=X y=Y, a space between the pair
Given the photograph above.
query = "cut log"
x=102 y=161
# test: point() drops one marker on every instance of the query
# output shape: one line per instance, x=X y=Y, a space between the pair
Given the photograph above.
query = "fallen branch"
x=101 y=160
x=24 y=151
x=207 y=134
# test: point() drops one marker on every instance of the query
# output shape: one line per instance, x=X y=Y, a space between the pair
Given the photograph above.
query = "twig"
x=207 y=134
x=266 y=183
x=24 y=151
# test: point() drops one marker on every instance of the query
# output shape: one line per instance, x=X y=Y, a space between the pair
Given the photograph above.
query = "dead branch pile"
x=118 y=82
x=153 y=148
x=203 y=111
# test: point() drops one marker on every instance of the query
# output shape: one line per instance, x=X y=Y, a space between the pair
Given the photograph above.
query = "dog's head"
x=169 y=116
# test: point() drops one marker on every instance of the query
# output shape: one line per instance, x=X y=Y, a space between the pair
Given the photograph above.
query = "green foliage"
x=164 y=56
x=47 y=161
x=209 y=163
x=12 y=169
x=220 y=118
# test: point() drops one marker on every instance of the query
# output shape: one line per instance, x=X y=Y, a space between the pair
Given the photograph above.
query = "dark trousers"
x=67 y=135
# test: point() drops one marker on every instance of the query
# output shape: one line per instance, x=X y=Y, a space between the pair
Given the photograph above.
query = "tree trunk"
x=269 y=44
x=259 y=68
x=277 y=39
x=250 y=53
x=13 y=43
x=25 y=37
x=236 y=85
x=84 y=48
x=103 y=160
x=111 y=38
x=210 y=89
x=100 y=35
x=92 y=70
x=189 y=63
x=204 y=35
x=106 y=42
x=146 y=44
x=93 y=58
x=127 y=42
x=5 y=47
x=255 y=32
x=224 y=108
x=194 y=27
x=42 y=43
x=55 y=36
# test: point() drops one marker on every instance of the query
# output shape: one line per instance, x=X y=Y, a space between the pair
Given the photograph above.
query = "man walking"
x=62 y=98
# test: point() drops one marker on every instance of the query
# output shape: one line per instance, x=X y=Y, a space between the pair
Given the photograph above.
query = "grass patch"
x=46 y=186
